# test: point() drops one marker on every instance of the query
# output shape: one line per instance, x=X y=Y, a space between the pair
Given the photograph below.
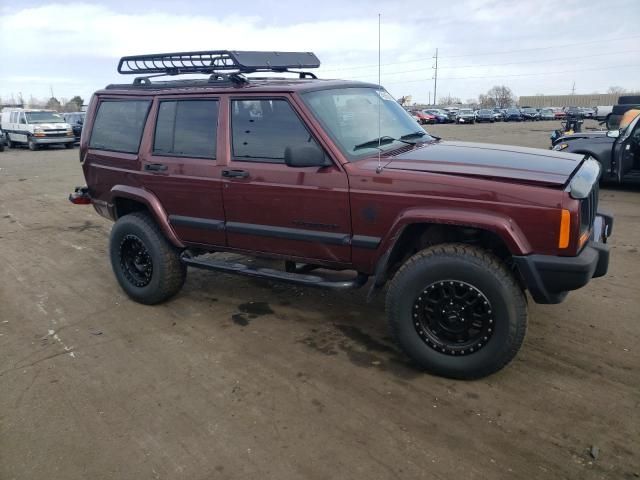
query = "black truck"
x=617 y=148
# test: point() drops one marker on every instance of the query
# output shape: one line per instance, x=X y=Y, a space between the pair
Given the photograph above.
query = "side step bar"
x=270 y=273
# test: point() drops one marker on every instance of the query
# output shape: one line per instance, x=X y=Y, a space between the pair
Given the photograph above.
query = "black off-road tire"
x=168 y=272
x=470 y=266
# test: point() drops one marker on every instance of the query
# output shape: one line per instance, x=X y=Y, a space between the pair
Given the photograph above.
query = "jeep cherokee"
x=332 y=175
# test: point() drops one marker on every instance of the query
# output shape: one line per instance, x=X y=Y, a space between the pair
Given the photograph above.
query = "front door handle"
x=235 y=173
x=155 y=167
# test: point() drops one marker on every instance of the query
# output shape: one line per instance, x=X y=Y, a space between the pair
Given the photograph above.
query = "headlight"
x=584 y=179
x=561 y=146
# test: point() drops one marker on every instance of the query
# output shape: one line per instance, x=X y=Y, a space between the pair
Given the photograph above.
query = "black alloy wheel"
x=453 y=317
x=135 y=261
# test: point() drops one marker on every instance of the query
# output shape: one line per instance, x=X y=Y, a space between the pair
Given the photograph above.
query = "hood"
x=595 y=134
x=529 y=165
x=52 y=126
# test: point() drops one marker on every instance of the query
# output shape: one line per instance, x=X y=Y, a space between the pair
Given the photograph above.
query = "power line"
x=516 y=63
x=357 y=67
x=517 y=75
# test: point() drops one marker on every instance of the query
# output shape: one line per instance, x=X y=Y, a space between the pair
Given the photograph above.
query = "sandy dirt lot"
x=246 y=379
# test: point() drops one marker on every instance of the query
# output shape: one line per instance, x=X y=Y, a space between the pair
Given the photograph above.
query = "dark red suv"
x=330 y=176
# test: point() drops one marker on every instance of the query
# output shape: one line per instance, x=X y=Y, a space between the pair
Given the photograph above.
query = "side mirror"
x=306 y=156
x=613 y=133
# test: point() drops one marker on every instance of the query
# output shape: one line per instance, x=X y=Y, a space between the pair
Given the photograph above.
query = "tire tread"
x=487 y=260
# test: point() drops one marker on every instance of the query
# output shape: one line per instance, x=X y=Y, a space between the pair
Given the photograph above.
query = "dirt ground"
x=245 y=379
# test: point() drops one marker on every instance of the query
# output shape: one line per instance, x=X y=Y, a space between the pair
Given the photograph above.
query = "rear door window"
x=186 y=128
x=119 y=124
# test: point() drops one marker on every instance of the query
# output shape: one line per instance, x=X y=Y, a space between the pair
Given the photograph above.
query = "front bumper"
x=550 y=278
x=50 y=140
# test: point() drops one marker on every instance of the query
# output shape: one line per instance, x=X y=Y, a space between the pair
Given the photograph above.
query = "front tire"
x=457 y=311
x=68 y=146
x=146 y=265
x=33 y=146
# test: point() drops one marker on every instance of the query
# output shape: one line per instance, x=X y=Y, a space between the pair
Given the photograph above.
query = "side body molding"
x=152 y=203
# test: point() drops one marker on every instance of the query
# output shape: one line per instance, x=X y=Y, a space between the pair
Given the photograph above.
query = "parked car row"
x=487 y=115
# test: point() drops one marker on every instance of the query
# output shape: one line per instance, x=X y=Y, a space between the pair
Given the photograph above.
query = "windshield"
x=486 y=112
x=465 y=112
x=350 y=116
x=44 y=117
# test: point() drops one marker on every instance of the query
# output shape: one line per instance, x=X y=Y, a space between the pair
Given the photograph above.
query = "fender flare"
x=153 y=205
x=503 y=226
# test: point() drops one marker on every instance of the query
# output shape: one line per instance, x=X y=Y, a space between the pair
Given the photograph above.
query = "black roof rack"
x=216 y=61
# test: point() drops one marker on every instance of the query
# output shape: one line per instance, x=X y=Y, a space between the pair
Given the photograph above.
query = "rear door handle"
x=155 y=167
x=235 y=173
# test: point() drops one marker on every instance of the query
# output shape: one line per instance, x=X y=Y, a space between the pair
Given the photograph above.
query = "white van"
x=35 y=128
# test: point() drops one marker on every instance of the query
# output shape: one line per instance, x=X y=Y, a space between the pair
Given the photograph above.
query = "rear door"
x=270 y=207
x=179 y=165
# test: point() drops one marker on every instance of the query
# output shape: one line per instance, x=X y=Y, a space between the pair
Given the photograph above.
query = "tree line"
x=74 y=104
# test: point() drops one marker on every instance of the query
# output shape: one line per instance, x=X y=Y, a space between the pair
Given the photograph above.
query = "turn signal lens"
x=583 y=238
x=565 y=225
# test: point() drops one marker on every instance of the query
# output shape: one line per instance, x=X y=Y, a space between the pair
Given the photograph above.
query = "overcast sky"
x=532 y=46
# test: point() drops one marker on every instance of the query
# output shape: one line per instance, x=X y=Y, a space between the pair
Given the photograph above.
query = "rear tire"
x=470 y=332
x=146 y=265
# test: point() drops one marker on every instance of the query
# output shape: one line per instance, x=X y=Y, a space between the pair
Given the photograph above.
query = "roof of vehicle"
x=254 y=84
x=227 y=70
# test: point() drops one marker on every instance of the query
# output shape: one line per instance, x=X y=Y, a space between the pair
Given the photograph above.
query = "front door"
x=179 y=165
x=270 y=207
x=626 y=148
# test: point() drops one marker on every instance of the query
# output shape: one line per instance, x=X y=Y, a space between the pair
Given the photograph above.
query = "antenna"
x=379 y=169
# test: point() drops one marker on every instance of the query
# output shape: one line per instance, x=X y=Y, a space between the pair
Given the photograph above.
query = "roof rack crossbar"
x=208 y=62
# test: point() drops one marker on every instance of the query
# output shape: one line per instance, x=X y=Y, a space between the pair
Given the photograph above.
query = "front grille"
x=588 y=209
x=56 y=135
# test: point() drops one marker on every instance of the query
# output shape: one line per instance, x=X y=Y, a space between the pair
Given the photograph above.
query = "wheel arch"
x=495 y=232
x=126 y=199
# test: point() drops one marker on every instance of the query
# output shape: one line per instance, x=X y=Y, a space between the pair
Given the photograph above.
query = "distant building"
x=592 y=100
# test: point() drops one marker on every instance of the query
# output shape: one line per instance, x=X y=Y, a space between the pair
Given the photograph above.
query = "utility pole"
x=573 y=88
x=429 y=97
x=435 y=79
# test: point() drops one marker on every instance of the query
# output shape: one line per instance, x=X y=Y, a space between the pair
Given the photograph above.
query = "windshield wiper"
x=385 y=139
x=421 y=133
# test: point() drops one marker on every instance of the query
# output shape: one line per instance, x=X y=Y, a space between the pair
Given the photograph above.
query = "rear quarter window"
x=119 y=124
